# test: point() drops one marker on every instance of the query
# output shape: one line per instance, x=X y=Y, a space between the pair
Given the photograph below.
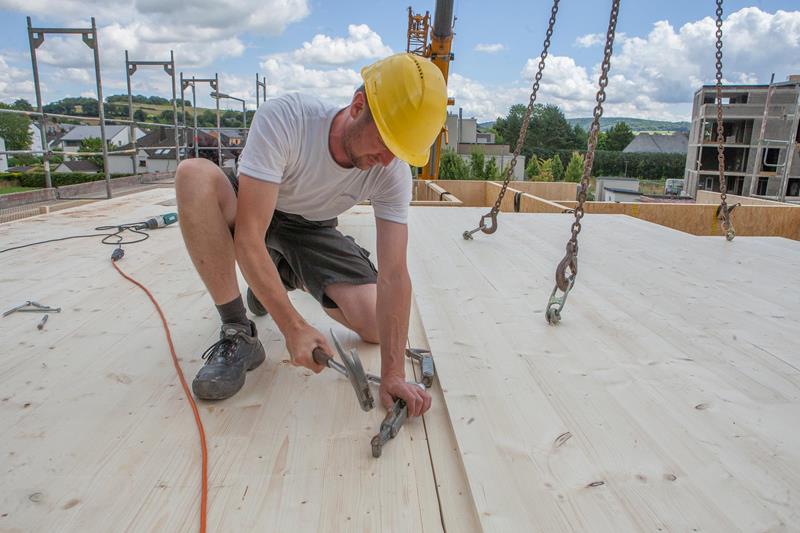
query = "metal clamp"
x=556 y=303
x=483 y=226
x=32 y=307
x=724 y=214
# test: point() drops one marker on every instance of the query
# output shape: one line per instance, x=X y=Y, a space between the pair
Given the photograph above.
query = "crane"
x=438 y=51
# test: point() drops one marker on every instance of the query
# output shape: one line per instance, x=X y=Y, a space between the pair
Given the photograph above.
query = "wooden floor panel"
x=96 y=433
x=666 y=400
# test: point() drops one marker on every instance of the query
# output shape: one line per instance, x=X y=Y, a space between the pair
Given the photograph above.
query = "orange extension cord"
x=200 y=429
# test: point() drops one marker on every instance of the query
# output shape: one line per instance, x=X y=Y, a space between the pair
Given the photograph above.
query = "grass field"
x=9 y=190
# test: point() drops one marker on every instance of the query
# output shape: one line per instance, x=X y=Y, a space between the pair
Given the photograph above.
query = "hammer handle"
x=320 y=357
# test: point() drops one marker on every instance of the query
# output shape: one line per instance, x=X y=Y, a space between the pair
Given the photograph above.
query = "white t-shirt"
x=288 y=144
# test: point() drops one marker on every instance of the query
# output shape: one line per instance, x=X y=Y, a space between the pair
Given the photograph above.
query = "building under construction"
x=664 y=396
x=761 y=137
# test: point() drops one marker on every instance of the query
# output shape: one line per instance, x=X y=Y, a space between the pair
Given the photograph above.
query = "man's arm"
x=393 y=309
x=255 y=207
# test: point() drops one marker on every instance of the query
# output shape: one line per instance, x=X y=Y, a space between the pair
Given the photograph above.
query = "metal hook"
x=488 y=229
x=570 y=261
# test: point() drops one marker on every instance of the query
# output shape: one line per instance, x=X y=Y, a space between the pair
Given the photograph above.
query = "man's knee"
x=197 y=178
x=367 y=330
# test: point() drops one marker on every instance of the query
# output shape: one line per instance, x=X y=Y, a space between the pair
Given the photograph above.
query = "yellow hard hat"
x=407 y=95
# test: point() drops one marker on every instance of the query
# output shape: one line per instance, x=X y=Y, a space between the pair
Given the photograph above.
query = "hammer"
x=352 y=370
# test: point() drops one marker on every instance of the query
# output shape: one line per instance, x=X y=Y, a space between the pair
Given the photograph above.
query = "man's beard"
x=359 y=162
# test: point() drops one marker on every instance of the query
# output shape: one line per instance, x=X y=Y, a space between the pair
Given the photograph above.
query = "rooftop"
x=666 y=398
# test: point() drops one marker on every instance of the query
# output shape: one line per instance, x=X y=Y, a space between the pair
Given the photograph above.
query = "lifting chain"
x=564 y=282
x=723 y=211
x=488 y=222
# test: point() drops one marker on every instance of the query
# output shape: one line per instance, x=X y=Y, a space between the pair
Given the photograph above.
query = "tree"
x=508 y=128
x=166 y=117
x=139 y=115
x=546 y=170
x=619 y=137
x=602 y=141
x=490 y=172
x=574 y=171
x=557 y=167
x=581 y=137
x=476 y=164
x=92 y=144
x=15 y=130
x=22 y=105
x=452 y=166
x=532 y=170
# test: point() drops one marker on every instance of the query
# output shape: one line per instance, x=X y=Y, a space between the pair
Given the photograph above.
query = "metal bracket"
x=168 y=69
x=37 y=38
x=131 y=69
x=89 y=39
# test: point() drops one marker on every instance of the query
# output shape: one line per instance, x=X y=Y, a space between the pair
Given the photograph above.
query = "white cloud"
x=667 y=66
x=489 y=48
x=590 y=39
x=200 y=32
x=361 y=43
x=653 y=76
x=15 y=83
x=327 y=67
x=331 y=85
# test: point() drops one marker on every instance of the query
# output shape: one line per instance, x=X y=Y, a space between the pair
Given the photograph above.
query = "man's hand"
x=417 y=400
x=301 y=343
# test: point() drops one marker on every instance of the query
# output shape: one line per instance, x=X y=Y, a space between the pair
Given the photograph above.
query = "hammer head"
x=356 y=375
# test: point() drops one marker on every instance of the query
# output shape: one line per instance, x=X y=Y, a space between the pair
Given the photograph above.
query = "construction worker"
x=304 y=164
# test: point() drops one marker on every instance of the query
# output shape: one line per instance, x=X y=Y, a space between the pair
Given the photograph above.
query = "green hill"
x=636 y=124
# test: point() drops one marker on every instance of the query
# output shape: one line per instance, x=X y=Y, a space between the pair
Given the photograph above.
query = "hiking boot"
x=227 y=361
x=254 y=305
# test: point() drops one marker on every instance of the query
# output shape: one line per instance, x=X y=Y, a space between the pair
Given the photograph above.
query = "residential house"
x=80 y=165
x=659 y=143
x=463 y=137
x=116 y=136
x=3 y=157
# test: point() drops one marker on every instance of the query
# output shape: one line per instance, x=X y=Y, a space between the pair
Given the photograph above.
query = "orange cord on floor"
x=200 y=429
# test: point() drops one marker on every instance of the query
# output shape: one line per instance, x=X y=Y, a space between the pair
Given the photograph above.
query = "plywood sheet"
x=666 y=400
x=95 y=434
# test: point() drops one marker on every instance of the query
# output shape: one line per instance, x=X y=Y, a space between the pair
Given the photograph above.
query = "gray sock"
x=233 y=312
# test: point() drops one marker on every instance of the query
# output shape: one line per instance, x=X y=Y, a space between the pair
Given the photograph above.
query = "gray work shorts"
x=314 y=254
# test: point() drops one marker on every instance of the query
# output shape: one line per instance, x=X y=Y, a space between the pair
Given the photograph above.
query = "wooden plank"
x=91 y=404
x=701 y=219
x=660 y=403
x=458 y=510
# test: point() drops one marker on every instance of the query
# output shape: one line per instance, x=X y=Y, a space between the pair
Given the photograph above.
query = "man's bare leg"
x=207 y=210
x=357 y=308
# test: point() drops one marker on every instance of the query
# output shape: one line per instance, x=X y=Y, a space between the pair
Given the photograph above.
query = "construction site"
x=655 y=388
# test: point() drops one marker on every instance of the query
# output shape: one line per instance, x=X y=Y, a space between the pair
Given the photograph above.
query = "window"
x=737 y=185
x=142 y=162
x=762 y=186
x=709 y=184
x=793 y=187
x=769 y=163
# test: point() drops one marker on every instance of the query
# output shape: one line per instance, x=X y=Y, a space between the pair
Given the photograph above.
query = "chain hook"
x=482 y=226
x=570 y=261
x=724 y=212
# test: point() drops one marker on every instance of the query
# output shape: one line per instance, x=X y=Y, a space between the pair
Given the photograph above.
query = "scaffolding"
x=89 y=36
x=260 y=86
x=169 y=68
